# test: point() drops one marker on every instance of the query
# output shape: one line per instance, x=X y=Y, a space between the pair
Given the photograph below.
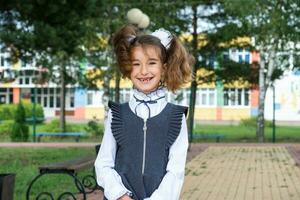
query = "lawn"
x=240 y=133
x=233 y=133
x=25 y=161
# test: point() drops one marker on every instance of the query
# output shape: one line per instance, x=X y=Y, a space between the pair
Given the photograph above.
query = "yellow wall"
x=98 y=112
x=205 y=113
x=200 y=113
x=235 y=113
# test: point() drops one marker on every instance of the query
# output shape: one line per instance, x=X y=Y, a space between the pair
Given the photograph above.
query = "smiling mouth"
x=145 y=80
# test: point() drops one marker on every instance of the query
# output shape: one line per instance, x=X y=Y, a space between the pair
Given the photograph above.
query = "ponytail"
x=179 y=63
x=121 y=43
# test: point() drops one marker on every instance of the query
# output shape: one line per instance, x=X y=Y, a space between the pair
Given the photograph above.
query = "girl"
x=144 y=147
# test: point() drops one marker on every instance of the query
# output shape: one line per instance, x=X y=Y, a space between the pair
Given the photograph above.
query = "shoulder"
x=113 y=105
x=179 y=108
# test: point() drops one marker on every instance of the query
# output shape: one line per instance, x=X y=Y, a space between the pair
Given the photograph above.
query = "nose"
x=144 y=70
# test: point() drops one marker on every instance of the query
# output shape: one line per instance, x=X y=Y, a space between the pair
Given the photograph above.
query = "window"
x=57 y=101
x=72 y=101
x=6 y=95
x=45 y=101
x=236 y=97
x=71 y=97
x=3 y=57
x=124 y=95
x=51 y=104
x=25 y=77
x=241 y=58
x=247 y=58
x=89 y=98
x=206 y=97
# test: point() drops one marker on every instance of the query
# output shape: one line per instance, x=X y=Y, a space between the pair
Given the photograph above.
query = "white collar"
x=160 y=92
x=146 y=110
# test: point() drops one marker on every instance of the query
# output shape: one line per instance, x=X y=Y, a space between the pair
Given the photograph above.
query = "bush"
x=20 y=131
x=94 y=128
x=251 y=122
x=39 y=112
x=7 y=112
x=53 y=126
x=5 y=127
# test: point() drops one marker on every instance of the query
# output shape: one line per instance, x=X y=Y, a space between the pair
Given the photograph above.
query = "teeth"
x=145 y=80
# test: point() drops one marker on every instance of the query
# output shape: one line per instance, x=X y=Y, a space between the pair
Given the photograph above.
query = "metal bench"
x=208 y=136
x=77 y=135
x=37 y=120
x=86 y=185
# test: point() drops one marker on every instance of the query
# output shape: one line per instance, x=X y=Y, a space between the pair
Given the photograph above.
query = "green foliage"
x=39 y=111
x=53 y=126
x=251 y=122
x=20 y=131
x=8 y=111
x=94 y=128
x=241 y=133
x=5 y=127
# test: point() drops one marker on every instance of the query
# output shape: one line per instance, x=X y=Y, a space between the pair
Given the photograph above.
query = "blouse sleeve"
x=172 y=182
x=106 y=176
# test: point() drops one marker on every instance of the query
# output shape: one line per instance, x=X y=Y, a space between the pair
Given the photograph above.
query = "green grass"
x=239 y=133
x=25 y=161
x=233 y=133
x=42 y=128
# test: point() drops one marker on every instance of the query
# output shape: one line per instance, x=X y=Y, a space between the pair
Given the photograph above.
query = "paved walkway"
x=242 y=172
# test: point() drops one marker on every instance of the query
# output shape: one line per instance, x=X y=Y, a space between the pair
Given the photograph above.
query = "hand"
x=125 y=197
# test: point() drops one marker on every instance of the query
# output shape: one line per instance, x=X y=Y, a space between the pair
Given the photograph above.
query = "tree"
x=274 y=29
x=20 y=131
x=50 y=33
x=205 y=45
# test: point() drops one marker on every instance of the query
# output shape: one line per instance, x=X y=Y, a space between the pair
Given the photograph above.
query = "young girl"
x=144 y=147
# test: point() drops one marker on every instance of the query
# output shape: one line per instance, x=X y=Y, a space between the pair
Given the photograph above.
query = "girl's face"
x=147 y=68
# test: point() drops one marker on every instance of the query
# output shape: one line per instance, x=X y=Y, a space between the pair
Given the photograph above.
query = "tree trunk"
x=105 y=96
x=264 y=82
x=62 y=99
x=193 y=88
x=117 y=87
x=260 y=135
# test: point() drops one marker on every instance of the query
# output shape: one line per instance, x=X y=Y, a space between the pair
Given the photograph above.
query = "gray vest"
x=143 y=147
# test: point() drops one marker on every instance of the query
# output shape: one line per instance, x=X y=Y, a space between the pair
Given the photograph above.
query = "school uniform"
x=144 y=147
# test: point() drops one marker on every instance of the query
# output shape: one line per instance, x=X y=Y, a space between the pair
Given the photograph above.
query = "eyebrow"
x=153 y=59
x=135 y=60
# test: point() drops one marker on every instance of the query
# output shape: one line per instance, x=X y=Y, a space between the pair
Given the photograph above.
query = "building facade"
x=213 y=102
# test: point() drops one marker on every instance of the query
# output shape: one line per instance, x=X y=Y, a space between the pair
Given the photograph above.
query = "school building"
x=213 y=101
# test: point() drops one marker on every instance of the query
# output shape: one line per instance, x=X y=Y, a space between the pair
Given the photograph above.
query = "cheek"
x=132 y=73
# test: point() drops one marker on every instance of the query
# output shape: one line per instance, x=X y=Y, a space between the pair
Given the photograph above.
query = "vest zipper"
x=144 y=146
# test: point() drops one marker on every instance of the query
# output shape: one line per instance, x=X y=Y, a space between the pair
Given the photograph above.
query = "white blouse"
x=171 y=184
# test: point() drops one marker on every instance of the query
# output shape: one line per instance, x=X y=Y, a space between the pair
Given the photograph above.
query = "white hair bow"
x=164 y=36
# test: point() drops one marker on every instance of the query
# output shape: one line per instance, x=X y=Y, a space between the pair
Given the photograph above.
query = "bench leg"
x=218 y=139
x=78 y=184
x=77 y=138
x=39 y=138
x=30 y=186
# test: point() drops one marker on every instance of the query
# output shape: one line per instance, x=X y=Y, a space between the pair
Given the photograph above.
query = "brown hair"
x=176 y=58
